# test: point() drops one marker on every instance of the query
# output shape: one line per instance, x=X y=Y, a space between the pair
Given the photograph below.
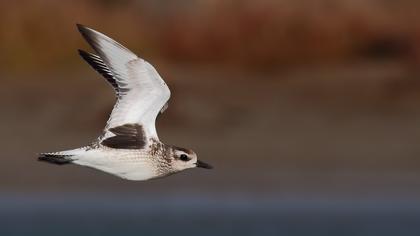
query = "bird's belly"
x=130 y=171
x=124 y=164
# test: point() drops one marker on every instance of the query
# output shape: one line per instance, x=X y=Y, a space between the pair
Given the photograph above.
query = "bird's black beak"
x=203 y=165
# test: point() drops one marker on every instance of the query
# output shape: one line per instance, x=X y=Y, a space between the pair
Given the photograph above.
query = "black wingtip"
x=88 y=34
x=97 y=64
x=86 y=56
x=82 y=53
x=80 y=27
x=84 y=31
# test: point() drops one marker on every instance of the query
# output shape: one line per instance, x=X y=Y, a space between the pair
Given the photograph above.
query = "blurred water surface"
x=110 y=214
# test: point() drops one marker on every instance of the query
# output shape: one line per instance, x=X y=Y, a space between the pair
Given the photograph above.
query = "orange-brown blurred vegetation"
x=263 y=35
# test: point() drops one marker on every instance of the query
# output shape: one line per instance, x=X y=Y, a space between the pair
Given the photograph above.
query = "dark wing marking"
x=96 y=63
x=128 y=136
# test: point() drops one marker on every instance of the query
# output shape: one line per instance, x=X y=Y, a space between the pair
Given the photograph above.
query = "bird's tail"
x=61 y=158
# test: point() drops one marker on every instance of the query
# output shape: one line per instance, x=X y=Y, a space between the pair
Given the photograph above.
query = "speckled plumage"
x=153 y=161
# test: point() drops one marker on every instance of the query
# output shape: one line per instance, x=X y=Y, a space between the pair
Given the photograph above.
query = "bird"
x=129 y=146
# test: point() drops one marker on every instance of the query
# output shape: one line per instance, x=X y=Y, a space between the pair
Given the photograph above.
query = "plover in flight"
x=129 y=146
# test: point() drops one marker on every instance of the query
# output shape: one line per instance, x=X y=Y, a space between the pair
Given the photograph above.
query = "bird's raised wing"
x=141 y=92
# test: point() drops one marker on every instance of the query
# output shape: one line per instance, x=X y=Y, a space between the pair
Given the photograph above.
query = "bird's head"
x=186 y=158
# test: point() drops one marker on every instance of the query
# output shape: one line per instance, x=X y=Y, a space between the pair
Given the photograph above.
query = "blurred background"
x=308 y=109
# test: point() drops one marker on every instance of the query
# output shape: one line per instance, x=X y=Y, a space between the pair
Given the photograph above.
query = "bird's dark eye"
x=184 y=157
